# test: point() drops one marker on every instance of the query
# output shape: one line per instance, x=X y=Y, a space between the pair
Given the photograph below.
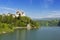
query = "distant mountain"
x=46 y=18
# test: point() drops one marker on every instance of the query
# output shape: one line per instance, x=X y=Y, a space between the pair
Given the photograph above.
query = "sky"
x=32 y=8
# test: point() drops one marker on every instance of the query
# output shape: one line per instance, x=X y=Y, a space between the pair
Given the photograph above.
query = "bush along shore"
x=9 y=22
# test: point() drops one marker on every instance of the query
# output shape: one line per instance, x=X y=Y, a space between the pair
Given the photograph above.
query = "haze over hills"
x=48 y=17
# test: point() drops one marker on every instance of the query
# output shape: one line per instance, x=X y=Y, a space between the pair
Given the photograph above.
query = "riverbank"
x=44 y=32
x=3 y=32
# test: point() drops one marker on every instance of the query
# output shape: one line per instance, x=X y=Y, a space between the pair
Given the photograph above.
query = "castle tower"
x=20 y=13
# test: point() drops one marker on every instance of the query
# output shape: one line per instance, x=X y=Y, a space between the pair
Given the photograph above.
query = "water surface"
x=43 y=33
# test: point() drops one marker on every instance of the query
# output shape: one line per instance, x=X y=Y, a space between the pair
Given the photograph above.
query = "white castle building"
x=18 y=13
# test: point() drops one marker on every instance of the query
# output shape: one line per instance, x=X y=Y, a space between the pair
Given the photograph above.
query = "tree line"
x=51 y=23
x=7 y=23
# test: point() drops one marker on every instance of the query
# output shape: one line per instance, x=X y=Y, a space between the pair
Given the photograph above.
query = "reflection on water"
x=21 y=35
x=49 y=33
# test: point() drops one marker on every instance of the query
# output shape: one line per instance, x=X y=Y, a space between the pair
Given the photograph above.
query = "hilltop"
x=9 y=21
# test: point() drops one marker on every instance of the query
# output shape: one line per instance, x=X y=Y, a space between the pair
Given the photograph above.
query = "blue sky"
x=32 y=8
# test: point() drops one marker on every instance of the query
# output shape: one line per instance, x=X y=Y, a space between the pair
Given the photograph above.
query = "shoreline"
x=3 y=32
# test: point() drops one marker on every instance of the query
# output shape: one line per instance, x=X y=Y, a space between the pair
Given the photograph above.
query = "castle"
x=18 y=13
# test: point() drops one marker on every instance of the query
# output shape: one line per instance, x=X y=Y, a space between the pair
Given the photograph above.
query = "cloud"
x=6 y=8
x=47 y=3
x=51 y=14
x=50 y=0
x=30 y=1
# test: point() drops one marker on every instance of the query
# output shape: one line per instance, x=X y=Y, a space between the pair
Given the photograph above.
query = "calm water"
x=44 y=33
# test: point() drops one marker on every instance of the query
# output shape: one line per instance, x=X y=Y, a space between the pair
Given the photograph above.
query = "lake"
x=43 y=33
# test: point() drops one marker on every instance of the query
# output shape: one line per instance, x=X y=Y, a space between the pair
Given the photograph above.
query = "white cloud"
x=30 y=1
x=47 y=3
x=50 y=0
x=52 y=14
x=6 y=8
